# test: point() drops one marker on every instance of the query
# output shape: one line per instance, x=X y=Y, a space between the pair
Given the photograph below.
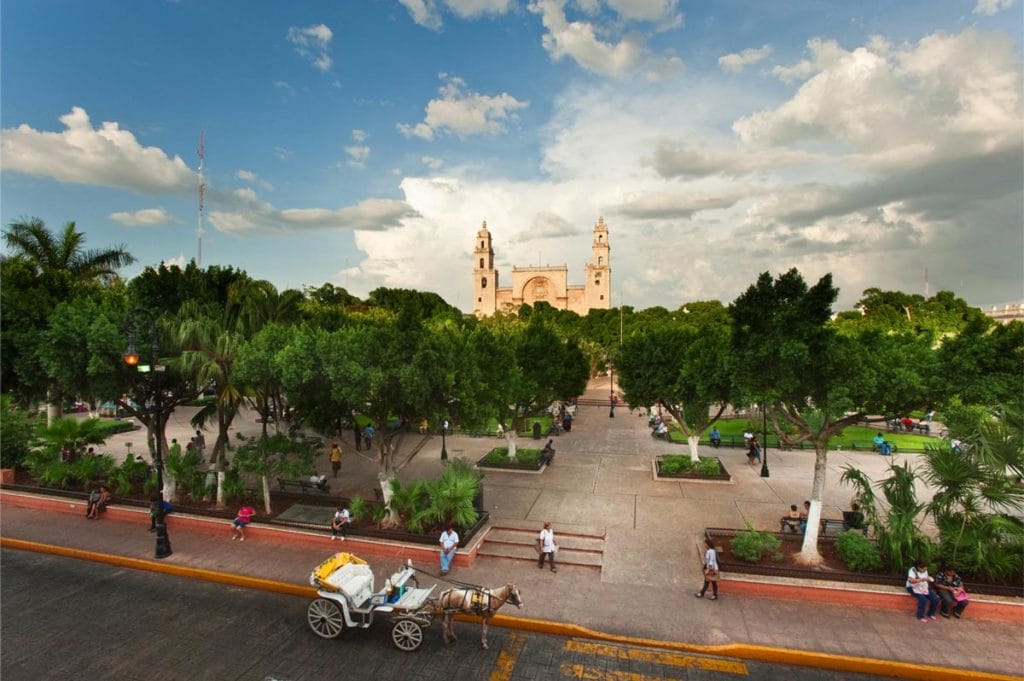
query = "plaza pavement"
x=601 y=483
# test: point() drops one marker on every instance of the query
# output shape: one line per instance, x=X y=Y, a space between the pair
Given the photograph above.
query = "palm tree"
x=210 y=349
x=63 y=265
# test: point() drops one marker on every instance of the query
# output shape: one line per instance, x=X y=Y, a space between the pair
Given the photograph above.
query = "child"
x=243 y=518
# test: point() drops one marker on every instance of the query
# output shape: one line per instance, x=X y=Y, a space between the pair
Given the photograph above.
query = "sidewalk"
x=601 y=481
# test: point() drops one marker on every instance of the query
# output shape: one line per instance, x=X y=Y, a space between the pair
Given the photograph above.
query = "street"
x=70 y=619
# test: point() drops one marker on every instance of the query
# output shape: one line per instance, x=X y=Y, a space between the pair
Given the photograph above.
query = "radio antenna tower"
x=202 y=192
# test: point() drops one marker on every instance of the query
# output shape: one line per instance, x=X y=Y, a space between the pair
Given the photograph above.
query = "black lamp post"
x=444 y=447
x=131 y=358
x=764 y=447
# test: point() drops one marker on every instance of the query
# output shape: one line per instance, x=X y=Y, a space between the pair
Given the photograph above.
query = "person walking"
x=340 y=522
x=547 y=547
x=241 y=521
x=335 y=458
x=175 y=449
x=449 y=545
x=201 y=445
x=368 y=433
x=357 y=433
x=710 y=571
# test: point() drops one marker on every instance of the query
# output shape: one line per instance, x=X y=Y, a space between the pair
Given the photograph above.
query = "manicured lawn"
x=491 y=427
x=852 y=436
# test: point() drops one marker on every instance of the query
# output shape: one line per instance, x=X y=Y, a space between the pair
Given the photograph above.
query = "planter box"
x=791 y=544
x=510 y=467
x=691 y=476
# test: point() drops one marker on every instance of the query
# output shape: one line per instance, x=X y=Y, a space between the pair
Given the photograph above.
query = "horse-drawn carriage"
x=346 y=599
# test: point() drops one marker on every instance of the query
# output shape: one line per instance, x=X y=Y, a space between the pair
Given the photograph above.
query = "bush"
x=753 y=546
x=16 y=432
x=709 y=467
x=524 y=457
x=673 y=464
x=858 y=552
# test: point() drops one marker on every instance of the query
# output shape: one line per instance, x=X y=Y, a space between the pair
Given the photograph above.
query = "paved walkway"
x=602 y=482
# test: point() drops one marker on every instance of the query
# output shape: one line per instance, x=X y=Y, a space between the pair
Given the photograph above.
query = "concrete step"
x=528 y=553
x=561 y=529
x=566 y=541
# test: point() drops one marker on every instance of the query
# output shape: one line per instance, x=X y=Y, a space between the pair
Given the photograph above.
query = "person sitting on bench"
x=320 y=481
x=791 y=521
x=548 y=453
x=853 y=519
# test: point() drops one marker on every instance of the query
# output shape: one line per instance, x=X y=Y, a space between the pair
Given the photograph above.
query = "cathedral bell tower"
x=598 y=284
x=485 y=277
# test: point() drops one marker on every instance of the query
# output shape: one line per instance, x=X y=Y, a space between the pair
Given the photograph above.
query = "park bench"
x=305 y=486
x=791 y=524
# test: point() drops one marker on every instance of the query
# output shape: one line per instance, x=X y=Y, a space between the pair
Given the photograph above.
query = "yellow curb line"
x=801 y=658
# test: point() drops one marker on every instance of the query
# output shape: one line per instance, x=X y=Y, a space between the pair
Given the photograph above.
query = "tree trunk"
x=54 y=407
x=266 y=492
x=510 y=441
x=693 y=441
x=221 y=503
x=809 y=551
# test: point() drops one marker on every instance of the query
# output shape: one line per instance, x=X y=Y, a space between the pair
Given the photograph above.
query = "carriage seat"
x=355 y=581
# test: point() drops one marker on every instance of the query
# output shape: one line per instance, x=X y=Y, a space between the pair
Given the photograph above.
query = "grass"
x=491 y=427
x=861 y=436
x=672 y=464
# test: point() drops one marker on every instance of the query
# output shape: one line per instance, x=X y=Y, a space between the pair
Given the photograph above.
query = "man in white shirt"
x=548 y=547
x=340 y=523
x=449 y=544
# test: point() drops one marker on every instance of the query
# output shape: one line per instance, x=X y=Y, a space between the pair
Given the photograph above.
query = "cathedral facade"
x=542 y=284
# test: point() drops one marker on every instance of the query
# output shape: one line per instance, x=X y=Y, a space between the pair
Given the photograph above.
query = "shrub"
x=524 y=457
x=16 y=432
x=357 y=508
x=753 y=546
x=672 y=464
x=234 y=486
x=709 y=467
x=858 y=552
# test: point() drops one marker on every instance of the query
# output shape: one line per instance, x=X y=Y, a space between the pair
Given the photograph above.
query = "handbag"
x=962 y=596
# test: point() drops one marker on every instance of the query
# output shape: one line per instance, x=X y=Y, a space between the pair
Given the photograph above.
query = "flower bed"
x=526 y=460
x=681 y=467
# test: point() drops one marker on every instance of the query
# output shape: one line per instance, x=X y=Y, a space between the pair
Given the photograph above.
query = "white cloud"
x=549 y=225
x=359 y=135
x=662 y=12
x=991 y=7
x=253 y=178
x=463 y=113
x=736 y=62
x=251 y=215
x=673 y=158
x=147 y=217
x=682 y=205
x=579 y=41
x=427 y=13
x=432 y=163
x=108 y=156
x=313 y=43
x=357 y=155
x=424 y=13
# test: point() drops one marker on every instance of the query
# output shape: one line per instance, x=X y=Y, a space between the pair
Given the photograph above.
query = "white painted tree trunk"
x=266 y=491
x=170 y=490
x=393 y=520
x=221 y=503
x=693 y=441
x=510 y=441
x=53 y=409
x=809 y=551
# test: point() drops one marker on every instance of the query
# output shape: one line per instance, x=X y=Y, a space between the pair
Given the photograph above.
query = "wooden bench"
x=305 y=486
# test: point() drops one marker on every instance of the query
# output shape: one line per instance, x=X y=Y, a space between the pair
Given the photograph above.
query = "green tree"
x=62 y=267
x=982 y=364
x=16 y=433
x=815 y=381
x=277 y=456
x=683 y=367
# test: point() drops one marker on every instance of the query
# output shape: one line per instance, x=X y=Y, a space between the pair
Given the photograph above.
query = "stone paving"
x=601 y=482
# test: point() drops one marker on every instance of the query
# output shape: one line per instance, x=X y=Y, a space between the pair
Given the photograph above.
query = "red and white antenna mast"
x=202 y=192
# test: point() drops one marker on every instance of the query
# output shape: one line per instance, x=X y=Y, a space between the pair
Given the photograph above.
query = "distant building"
x=542 y=284
x=1006 y=313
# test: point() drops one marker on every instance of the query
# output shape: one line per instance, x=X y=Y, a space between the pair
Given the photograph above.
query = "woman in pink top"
x=245 y=515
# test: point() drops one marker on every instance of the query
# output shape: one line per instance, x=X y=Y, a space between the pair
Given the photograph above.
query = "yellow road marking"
x=578 y=671
x=506 y=663
x=657 y=657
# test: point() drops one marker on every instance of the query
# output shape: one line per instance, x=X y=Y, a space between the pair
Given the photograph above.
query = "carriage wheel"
x=407 y=635
x=325 y=618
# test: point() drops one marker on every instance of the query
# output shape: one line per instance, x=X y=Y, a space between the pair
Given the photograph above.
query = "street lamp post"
x=764 y=447
x=444 y=447
x=131 y=358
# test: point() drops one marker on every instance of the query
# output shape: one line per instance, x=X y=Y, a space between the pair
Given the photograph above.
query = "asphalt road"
x=62 y=618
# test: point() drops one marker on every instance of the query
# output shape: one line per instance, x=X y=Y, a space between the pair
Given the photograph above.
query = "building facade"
x=542 y=284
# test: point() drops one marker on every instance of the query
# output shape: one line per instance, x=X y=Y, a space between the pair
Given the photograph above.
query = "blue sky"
x=363 y=142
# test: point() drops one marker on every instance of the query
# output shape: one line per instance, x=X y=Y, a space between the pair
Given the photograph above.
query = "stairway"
x=516 y=541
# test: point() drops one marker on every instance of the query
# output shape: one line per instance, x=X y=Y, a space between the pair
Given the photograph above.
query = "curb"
x=801 y=658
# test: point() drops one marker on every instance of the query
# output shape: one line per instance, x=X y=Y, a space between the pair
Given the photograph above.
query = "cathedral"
x=542 y=284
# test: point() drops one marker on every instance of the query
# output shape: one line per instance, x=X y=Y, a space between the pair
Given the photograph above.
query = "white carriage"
x=347 y=599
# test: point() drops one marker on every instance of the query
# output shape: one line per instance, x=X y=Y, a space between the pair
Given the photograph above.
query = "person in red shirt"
x=243 y=518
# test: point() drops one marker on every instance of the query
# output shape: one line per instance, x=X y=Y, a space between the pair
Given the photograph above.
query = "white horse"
x=481 y=602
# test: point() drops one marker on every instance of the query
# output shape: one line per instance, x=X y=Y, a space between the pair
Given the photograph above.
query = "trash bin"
x=536 y=430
